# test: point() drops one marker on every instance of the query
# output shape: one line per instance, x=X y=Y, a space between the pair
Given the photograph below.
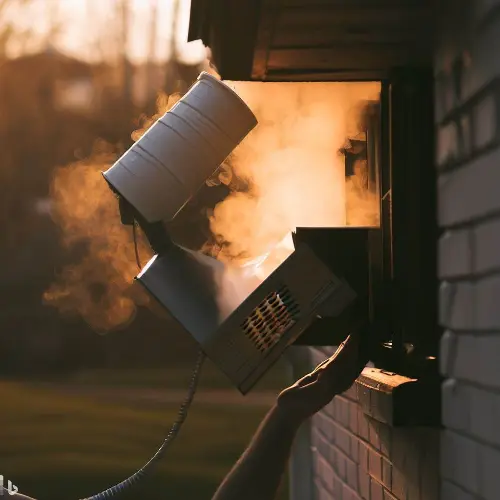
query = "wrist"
x=285 y=419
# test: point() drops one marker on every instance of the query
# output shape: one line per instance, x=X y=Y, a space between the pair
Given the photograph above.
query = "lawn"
x=62 y=446
x=176 y=376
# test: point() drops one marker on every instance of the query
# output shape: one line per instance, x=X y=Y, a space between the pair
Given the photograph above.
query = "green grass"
x=64 y=447
x=176 y=377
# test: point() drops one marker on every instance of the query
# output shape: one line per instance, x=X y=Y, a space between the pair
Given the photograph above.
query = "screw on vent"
x=271 y=319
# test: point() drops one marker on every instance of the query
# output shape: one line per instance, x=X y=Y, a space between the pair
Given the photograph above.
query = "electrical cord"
x=136 y=246
x=174 y=430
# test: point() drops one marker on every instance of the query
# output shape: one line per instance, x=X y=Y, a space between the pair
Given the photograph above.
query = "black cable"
x=172 y=434
x=136 y=246
x=176 y=426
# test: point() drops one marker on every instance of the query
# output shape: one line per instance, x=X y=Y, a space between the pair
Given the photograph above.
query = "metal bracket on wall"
x=397 y=400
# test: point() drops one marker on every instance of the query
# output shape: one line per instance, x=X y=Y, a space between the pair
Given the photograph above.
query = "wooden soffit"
x=314 y=39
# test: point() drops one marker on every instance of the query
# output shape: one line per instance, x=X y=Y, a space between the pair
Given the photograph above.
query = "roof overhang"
x=313 y=39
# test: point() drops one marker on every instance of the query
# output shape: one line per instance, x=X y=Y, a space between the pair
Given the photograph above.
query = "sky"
x=85 y=21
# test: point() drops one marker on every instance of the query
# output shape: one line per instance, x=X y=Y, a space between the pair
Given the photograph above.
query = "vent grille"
x=268 y=322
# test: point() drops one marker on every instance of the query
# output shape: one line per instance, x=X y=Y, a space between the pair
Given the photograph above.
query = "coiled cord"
x=176 y=426
x=174 y=430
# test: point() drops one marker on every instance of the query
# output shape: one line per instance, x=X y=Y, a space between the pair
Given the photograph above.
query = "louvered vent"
x=271 y=319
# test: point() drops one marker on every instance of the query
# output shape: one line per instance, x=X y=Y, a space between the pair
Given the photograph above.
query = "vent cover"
x=271 y=319
x=245 y=344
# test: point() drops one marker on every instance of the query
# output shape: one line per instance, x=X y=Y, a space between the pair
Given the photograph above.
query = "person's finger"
x=346 y=352
x=335 y=354
x=344 y=366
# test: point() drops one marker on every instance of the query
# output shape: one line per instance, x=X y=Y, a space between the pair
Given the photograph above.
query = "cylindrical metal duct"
x=160 y=173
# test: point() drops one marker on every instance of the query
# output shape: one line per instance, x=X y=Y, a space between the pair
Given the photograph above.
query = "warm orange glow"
x=87 y=28
x=296 y=176
x=295 y=170
x=99 y=287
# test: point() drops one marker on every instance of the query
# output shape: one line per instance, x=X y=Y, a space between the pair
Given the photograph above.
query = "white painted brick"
x=487 y=247
x=363 y=484
x=456 y=405
x=483 y=8
x=447 y=144
x=467 y=357
x=484 y=122
x=469 y=192
x=376 y=491
x=447 y=352
x=320 y=444
x=430 y=479
x=413 y=488
x=440 y=89
x=450 y=491
x=489 y=467
x=355 y=449
x=363 y=456
x=385 y=435
x=342 y=439
x=341 y=466
x=342 y=411
x=459 y=460
x=386 y=473
x=478 y=359
x=373 y=426
x=349 y=494
x=332 y=456
x=485 y=415
x=455 y=254
x=328 y=427
x=353 y=417
x=399 y=482
x=338 y=489
x=446 y=51
x=457 y=305
x=467 y=135
x=485 y=64
x=351 y=393
x=488 y=302
x=447 y=293
x=325 y=472
x=321 y=492
x=389 y=496
x=375 y=465
x=362 y=425
x=406 y=452
x=329 y=409
x=352 y=473
x=364 y=395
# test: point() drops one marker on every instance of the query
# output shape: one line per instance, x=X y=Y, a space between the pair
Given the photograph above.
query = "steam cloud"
x=100 y=286
x=294 y=177
x=291 y=162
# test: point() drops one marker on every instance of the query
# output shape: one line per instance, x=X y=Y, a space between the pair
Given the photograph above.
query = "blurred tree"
x=8 y=31
x=179 y=75
x=124 y=8
x=153 y=32
x=26 y=39
x=54 y=24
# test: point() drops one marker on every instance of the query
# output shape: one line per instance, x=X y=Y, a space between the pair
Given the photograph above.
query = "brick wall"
x=352 y=457
x=467 y=113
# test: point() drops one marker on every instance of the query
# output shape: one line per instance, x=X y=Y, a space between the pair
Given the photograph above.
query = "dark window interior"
x=402 y=275
x=393 y=263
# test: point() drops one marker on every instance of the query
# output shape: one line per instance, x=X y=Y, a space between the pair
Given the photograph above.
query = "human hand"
x=331 y=377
